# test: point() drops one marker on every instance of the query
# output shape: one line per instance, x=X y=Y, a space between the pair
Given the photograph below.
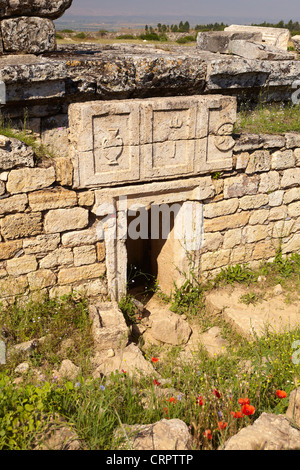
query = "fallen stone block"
x=257 y=51
x=268 y=432
x=28 y=35
x=52 y=9
x=218 y=41
x=278 y=37
x=296 y=42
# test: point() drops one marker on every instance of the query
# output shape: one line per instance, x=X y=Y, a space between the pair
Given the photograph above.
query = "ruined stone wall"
x=49 y=240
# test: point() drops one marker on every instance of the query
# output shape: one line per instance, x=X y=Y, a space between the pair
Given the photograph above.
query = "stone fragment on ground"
x=57 y=435
x=278 y=37
x=166 y=434
x=271 y=312
x=28 y=35
x=296 y=41
x=256 y=51
x=218 y=41
x=268 y=432
x=52 y=9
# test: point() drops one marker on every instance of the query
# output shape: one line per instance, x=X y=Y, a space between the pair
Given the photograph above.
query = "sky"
x=268 y=9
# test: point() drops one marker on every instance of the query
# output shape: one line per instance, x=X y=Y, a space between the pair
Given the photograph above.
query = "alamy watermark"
x=183 y=220
x=296 y=94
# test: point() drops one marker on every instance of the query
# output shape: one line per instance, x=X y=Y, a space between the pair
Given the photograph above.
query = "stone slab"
x=256 y=51
x=140 y=140
x=28 y=35
x=278 y=37
x=296 y=42
x=218 y=41
x=272 y=312
x=52 y=9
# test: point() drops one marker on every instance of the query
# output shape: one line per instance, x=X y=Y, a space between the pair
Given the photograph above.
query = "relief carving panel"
x=114 y=142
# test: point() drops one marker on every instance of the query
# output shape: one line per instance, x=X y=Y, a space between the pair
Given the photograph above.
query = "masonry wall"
x=49 y=241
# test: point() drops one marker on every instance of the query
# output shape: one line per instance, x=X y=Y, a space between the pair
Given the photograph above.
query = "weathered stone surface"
x=41 y=244
x=269 y=181
x=52 y=199
x=292 y=139
x=21 y=225
x=166 y=434
x=290 y=177
x=10 y=249
x=16 y=203
x=218 y=259
x=13 y=286
x=240 y=186
x=80 y=237
x=291 y=195
x=30 y=179
x=253 y=202
x=293 y=411
x=61 y=220
x=52 y=9
x=84 y=255
x=278 y=37
x=59 y=257
x=81 y=273
x=31 y=35
x=218 y=41
x=41 y=279
x=108 y=326
x=68 y=370
x=226 y=222
x=256 y=51
x=296 y=41
x=259 y=160
x=213 y=342
x=14 y=153
x=129 y=359
x=268 y=432
x=64 y=171
x=218 y=209
x=283 y=159
x=169 y=328
x=23 y=265
x=174 y=137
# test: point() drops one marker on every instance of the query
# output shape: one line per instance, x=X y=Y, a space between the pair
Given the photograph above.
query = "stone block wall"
x=49 y=240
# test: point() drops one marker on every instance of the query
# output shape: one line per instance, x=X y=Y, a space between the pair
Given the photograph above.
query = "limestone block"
x=292 y=139
x=16 y=203
x=13 y=286
x=2 y=188
x=278 y=213
x=290 y=177
x=269 y=181
x=173 y=137
x=218 y=41
x=30 y=179
x=41 y=244
x=258 y=216
x=291 y=195
x=218 y=259
x=59 y=257
x=226 y=222
x=294 y=209
x=80 y=237
x=253 y=202
x=296 y=41
x=64 y=171
x=278 y=37
x=14 y=153
x=41 y=279
x=255 y=233
x=108 y=326
x=232 y=238
x=30 y=35
x=55 y=198
x=22 y=265
x=84 y=255
x=81 y=273
x=241 y=185
x=21 y=225
x=259 y=160
x=43 y=8
x=257 y=51
x=276 y=198
x=218 y=209
x=61 y=220
x=283 y=159
x=9 y=249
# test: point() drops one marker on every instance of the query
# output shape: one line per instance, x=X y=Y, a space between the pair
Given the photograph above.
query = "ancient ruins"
x=139 y=127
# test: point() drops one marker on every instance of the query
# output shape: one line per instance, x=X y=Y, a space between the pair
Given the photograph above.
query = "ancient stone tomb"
x=158 y=183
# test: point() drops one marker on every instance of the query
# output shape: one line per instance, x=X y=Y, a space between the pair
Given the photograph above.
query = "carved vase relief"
x=112 y=146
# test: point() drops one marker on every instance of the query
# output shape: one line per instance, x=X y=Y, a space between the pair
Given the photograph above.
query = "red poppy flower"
x=155 y=382
x=216 y=393
x=172 y=400
x=244 y=401
x=222 y=425
x=281 y=393
x=207 y=434
x=248 y=410
x=154 y=359
x=199 y=400
x=237 y=414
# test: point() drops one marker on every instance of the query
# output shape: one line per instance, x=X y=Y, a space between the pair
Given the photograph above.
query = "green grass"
x=100 y=410
x=269 y=119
